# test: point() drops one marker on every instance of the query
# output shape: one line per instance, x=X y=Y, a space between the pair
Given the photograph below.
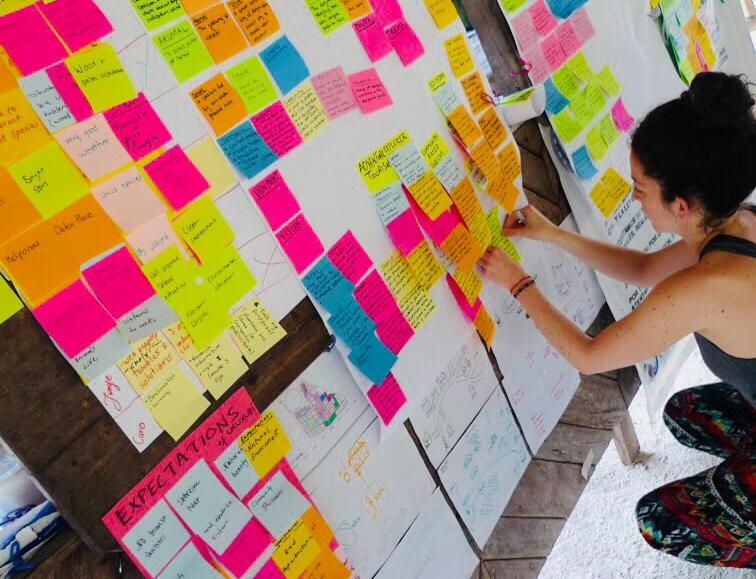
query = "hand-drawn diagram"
x=313 y=408
x=456 y=397
x=483 y=469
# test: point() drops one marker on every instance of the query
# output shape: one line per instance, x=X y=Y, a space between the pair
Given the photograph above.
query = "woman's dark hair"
x=702 y=146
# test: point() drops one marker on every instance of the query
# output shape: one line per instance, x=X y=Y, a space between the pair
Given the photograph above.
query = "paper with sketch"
x=317 y=409
x=434 y=546
x=457 y=395
x=370 y=493
x=483 y=469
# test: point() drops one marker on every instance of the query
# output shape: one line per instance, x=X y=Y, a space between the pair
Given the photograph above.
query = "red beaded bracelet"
x=514 y=287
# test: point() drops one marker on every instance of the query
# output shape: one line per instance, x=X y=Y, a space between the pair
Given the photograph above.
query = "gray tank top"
x=739 y=373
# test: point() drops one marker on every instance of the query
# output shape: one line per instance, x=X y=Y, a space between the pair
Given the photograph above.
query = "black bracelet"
x=523 y=287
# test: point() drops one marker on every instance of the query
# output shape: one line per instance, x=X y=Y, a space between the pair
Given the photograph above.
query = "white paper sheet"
x=483 y=469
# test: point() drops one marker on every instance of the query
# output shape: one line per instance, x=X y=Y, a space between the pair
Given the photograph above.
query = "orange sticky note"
x=219 y=103
x=460 y=60
x=256 y=19
x=326 y=566
x=465 y=199
x=485 y=326
x=21 y=131
x=485 y=159
x=194 y=6
x=317 y=526
x=493 y=129
x=509 y=162
x=475 y=92
x=503 y=191
x=465 y=126
x=219 y=33
x=460 y=246
x=7 y=80
x=469 y=284
x=356 y=8
x=16 y=211
x=430 y=195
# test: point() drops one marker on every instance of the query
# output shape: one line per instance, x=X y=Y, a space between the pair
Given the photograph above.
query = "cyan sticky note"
x=373 y=359
x=583 y=164
x=246 y=150
x=284 y=64
x=352 y=324
x=563 y=8
x=328 y=285
x=555 y=101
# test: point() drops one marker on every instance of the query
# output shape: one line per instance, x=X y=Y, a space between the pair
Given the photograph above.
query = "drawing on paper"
x=313 y=407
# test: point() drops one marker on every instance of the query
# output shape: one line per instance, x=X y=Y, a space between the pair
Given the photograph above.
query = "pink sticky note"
x=469 y=311
x=372 y=36
x=582 y=24
x=553 y=52
x=538 y=68
x=137 y=126
x=437 y=229
x=387 y=11
x=332 y=89
x=246 y=548
x=269 y=571
x=369 y=91
x=348 y=256
x=394 y=331
x=622 y=119
x=543 y=20
x=524 y=31
x=405 y=232
x=128 y=199
x=275 y=200
x=74 y=318
x=93 y=146
x=374 y=297
x=77 y=22
x=277 y=129
x=29 y=41
x=300 y=243
x=69 y=91
x=176 y=177
x=404 y=41
x=152 y=237
x=568 y=38
x=387 y=399
x=118 y=282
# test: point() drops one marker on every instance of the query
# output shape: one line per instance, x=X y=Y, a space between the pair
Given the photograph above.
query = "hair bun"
x=717 y=100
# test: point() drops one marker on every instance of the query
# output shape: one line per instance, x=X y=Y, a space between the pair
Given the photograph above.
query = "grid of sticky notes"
x=226 y=505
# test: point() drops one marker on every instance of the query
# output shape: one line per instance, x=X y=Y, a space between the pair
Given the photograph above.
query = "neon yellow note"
x=254 y=330
x=607 y=129
x=175 y=403
x=218 y=366
x=227 y=277
x=437 y=81
x=434 y=150
x=398 y=275
x=375 y=169
x=565 y=126
x=579 y=66
x=173 y=277
x=607 y=81
x=595 y=144
x=295 y=550
x=417 y=307
x=9 y=302
x=594 y=98
x=205 y=318
x=101 y=77
x=566 y=81
x=469 y=283
x=498 y=239
x=213 y=166
x=265 y=443
x=581 y=112
x=203 y=228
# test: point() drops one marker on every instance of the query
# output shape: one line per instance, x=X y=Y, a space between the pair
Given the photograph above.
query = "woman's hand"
x=500 y=268
x=536 y=226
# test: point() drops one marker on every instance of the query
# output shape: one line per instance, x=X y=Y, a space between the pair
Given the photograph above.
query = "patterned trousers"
x=709 y=518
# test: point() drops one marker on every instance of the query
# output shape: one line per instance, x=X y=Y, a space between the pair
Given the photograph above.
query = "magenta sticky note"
x=374 y=297
x=543 y=20
x=469 y=311
x=372 y=37
x=405 y=232
x=77 y=22
x=176 y=177
x=437 y=229
x=300 y=243
x=568 y=38
x=29 y=40
x=74 y=318
x=277 y=129
x=118 y=282
x=69 y=91
x=538 y=68
x=275 y=200
x=553 y=52
x=246 y=548
x=524 y=31
x=333 y=91
x=404 y=41
x=136 y=124
x=387 y=11
x=394 y=330
x=622 y=119
x=387 y=399
x=369 y=91
x=581 y=22
x=348 y=256
x=269 y=571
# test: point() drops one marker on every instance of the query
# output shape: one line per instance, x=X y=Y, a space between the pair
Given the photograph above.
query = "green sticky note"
x=579 y=66
x=686 y=71
x=227 y=277
x=511 y=5
x=205 y=319
x=607 y=81
x=519 y=97
x=101 y=77
x=566 y=82
x=328 y=14
x=49 y=179
x=250 y=80
x=183 y=51
x=581 y=112
x=595 y=144
x=565 y=126
x=203 y=228
x=174 y=278
x=9 y=302
x=594 y=98
x=155 y=13
x=499 y=240
x=607 y=129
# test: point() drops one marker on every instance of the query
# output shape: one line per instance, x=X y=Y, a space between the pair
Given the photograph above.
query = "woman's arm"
x=627 y=265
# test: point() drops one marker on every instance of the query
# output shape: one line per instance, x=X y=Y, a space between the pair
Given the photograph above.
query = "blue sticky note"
x=564 y=8
x=328 y=285
x=246 y=150
x=284 y=64
x=373 y=359
x=583 y=164
x=351 y=324
x=555 y=100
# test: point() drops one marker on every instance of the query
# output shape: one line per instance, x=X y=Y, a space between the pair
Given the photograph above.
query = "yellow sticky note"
x=609 y=191
x=461 y=248
x=295 y=550
x=430 y=195
x=175 y=403
x=204 y=318
x=498 y=239
x=203 y=228
x=227 y=277
x=460 y=60
x=424 y=266
x=565 y=126
x=485 y=326
x=101 y=77
x=581 y=112
x=180 y=340
x=375 y=169
x=9 y=302
x=213 y=166
x=21 y=131
x=305 y=110
x=265 y=443
x=579 y=66
x=437 y=81
x=469 y=284
x=478 y=227
x=49 y=179
x=398 y=275
x=595 y=144
x=417 y=307
x=493 y=129
x=607 y=129
x=566 y=82
x=434 y=150
x=594 y=98
x=149 y=358
x=472 y=85
x=218 y=366
x=443 y=12
x=615 y=183
x=254 y=330
x=607 y=81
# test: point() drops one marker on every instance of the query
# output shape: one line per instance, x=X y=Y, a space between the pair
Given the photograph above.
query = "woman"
x=693 y=164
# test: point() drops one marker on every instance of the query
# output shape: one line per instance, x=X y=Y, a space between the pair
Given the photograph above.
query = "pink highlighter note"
x=404 y=41
x=394 y=330
x=582 y=24
x=246 y=548
x=137 y=126
x=77 y=22
x=118 y=282
x=387 y=11
x=405 y=232
x=543 y=20
x=375 y=298
x=332 y=88
x=553 y=52
x=568 y=38
x=275 y=200
x=269 y=571
x=69 y=91
x=369 y=90
x=277 y=129
x=300 y=243
x=538 y=68
x=348 y=256
x=387 y=399
x=29 y=41
x=74 y=318
x=176 y=177
x=524 y=30
x=372 y=36
x=469 y=311
x=622 y=119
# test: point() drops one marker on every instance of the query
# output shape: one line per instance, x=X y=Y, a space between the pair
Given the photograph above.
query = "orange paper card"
x=21 y=131
x=16 y=211
x=219 y=33
x=465 y=126
x=219 y=103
